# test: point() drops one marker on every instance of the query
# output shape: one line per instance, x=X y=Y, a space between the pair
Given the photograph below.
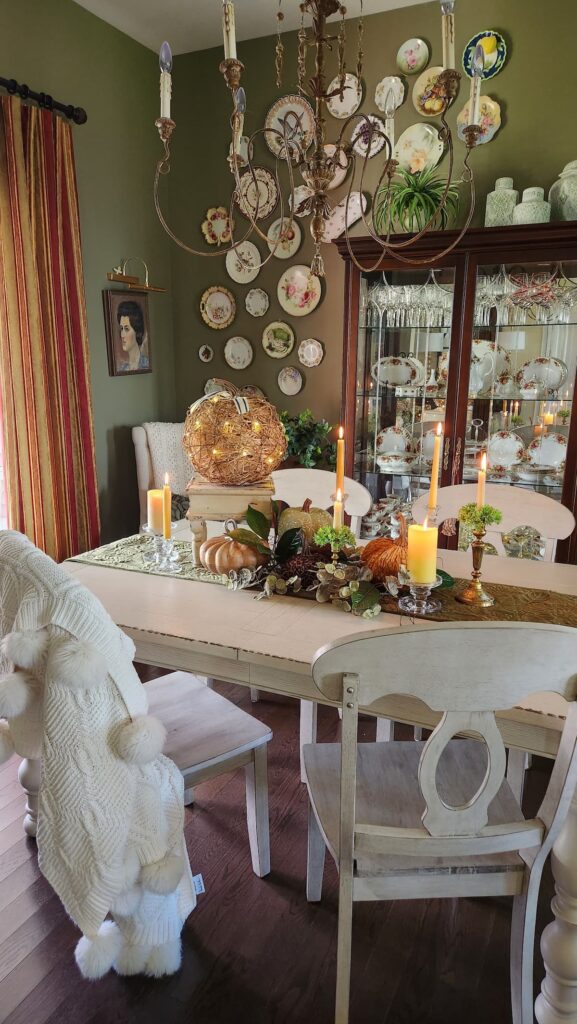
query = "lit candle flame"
x=439 y=428
x=426 y=523
x=484 y=462
x=341 y=433
x=166 y=480
x=339 y=494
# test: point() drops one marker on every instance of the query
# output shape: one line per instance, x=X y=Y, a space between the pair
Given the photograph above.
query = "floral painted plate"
x=352 y=97
x=490 y=120
x=548 y=450
x=419 y=148
x=217 y=307
x=367 y=141
x=258 y=200
x=505 y=449
x=546 y=370
x=257 y=302
x=290 y=380
x=251 y=391
x=238 y=353
x=205 y=353
x=292 y=237
x=299 y=291
x=243 y=263
x=394 y=86
x=426 y=99
x=412 y=56
x=294 y=116
x=346 y=213
x=216 y=228
x=394 y=439
x=495 y=50
x=310 y=352
x=396 y=371
x=342 y=168
x=278 y=339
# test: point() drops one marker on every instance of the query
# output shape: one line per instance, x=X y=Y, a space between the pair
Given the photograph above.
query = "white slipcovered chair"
x=158 y=450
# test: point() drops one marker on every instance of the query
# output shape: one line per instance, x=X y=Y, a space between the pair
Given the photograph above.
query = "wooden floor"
x=254 y=950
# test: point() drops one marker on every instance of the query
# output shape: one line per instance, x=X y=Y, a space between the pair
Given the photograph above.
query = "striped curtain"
x=44 y=359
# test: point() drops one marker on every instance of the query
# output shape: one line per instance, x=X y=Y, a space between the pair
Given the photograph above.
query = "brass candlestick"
x=473 y=593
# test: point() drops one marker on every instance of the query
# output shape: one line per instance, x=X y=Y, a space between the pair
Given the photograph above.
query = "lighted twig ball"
x=232 y=439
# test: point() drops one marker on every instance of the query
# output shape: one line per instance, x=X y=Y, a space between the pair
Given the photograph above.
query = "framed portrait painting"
x=127 y=332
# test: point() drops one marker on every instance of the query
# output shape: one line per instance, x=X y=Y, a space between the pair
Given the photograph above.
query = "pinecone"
x=304 y=565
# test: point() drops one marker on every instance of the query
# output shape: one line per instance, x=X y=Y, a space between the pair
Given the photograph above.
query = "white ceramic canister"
x=533 y=209
x=563 y=194
x=501 y=203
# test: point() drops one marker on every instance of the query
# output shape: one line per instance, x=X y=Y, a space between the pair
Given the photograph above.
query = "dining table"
x=184 y=624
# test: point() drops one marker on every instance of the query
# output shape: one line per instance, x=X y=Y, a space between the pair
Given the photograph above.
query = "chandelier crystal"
x=317 y=164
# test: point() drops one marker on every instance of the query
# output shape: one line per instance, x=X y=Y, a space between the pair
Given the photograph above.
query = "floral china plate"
x=342 y=167
x=238 y=353
x=546 y=370
x=217 y=307
x=390 y=93
x=396 y=371
x=251 y=391
x=345 y=214
x=205 y=353
x=299 y=291
x=495 y=53
x=310 y=352
x=505 y=449
x=427 y=444
x=256 y=302
x=394 y=439
x=368 y=136
x=290 y=380
x=427 y=99
x=217 y=226
x=351 y=98
x=548 y=450
x=259 y=195
x=490 y=120
x=243 y=263
x=294 y=116
x=396 y=462
x=412 y=56
x=278 y=339
x=491 y=354
x=419 y=148
x=298 y=202
x=286 y=229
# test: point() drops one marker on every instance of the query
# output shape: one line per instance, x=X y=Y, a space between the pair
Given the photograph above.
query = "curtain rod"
x=76 y=114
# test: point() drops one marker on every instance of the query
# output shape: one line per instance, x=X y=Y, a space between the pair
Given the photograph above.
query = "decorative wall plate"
x=243 y=263
x=394 y=439
x=310 y=352
x=278 y=339
x=351 y=213
x=299 y=291
x=342 y=168
x=412 y=56
x=396 y=371
x=548 y=450
x=505 y=449
x=290 y=380
x=264 y=194
x=490 y=120
x=251 y=391
x=294 y=114
x=390 y=84
x=419 y=148
x=216 y=228
x=426 y=100
x=366 y=142
x=217 y=307
x=257 y=302
x=495 y=49
x=550 y=372
x=301 y=194
x=238 y=353
x=352 y=97
x=212 y=385
x=288 y=227
x=205 y=353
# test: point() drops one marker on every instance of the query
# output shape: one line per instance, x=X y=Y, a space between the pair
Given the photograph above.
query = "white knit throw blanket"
x=97 y=812
x=168 y=456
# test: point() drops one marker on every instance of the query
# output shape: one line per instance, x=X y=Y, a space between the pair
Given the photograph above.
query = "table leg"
x=557 y=1001
x=198 y=530
x=29 y=779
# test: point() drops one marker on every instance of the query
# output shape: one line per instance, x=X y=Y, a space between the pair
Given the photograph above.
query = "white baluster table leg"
x=29 y=779
x=557 y=1001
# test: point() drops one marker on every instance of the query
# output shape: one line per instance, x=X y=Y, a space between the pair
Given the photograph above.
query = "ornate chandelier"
x=316 y=162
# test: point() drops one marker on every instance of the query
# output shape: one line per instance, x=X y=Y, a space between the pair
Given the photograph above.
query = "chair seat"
x=202 y=726
x=388 y=794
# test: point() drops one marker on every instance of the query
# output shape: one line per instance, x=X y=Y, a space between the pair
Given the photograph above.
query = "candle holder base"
x=162 y=553
x=416 y=602
x=474 y=594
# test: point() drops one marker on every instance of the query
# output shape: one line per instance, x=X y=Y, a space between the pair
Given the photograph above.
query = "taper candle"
x=165 y=61
x=228 y=30
x=448 y=32
x=476 y=79
x=338 y=510
x=481 y=481
x=166 y=509
x=422 y=553
x=433 y=487
x=340 y=482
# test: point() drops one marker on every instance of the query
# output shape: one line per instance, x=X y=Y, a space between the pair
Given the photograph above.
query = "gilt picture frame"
x=127 y=326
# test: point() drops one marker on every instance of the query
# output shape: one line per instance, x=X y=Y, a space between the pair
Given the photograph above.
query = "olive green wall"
x=535 y=141
x=60 y=48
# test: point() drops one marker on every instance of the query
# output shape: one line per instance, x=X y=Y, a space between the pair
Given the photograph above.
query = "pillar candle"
x=548 y=419
x=228 y=30
x=155 y=510
x=435 y=468
x=340 y=483
x=422 y=553
x=538 y=429
x=481 y=481
x=166 y=509
x=338 y=510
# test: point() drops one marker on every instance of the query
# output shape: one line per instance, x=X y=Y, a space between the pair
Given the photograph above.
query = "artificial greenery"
x=307 y=439
x=338 y=538
x=564 y=414
x=411 y=200
x=478 y=518
x=516 y=421
x=258 y=533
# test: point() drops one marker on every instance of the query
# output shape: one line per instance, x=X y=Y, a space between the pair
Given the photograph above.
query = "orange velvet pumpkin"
x=384 y=556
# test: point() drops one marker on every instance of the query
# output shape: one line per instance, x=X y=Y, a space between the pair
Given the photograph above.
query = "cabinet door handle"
x=446 y=453
x=456 y=461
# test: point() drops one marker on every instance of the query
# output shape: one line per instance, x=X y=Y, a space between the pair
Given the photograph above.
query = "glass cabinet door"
x=402 y=377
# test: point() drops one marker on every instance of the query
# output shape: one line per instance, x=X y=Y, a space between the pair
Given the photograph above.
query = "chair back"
x=296 y=485
x=520 y=507
x=466 y=671
x=158 y=450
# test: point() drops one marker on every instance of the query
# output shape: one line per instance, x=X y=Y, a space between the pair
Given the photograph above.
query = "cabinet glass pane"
x=402 y=374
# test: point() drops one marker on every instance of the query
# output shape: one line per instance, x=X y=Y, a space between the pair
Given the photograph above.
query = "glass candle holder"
x=162 y=553
x=417 y=602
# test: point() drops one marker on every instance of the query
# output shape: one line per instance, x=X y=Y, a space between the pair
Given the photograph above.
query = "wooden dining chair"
x=438 y=819
x=207 y=736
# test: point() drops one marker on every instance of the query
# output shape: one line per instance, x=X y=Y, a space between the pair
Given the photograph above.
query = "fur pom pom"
x=141 y=740
x=132 y=959
x=16 y=693
x=6 y=742
x=77 y=664
x=163 y=875
x=27 y=648
x=126 y=902
x=165 y=959
x=96 y=956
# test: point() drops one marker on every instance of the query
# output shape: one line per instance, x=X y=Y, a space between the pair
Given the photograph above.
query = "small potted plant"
x=564 y=414
x=411 y=200
x=308 y=440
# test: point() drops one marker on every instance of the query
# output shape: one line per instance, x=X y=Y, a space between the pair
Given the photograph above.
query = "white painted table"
x=204 y=628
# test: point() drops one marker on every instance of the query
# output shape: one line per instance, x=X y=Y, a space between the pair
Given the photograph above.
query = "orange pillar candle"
x=166 y=509
x=338 y=510
x=340 y=483
x=155 y=510
x=481 y=481
x=434 y=485
x=422 y=553
x=548 y=419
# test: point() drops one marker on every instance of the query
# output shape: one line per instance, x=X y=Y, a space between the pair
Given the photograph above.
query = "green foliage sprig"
x=479 y=518
x=257 y=534
x=338 y=538
x=307 y=439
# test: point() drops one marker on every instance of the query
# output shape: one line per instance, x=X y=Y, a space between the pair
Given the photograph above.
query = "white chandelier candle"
x=228 y=30
x=165 y=61
x=476 y=80
x=448 y=32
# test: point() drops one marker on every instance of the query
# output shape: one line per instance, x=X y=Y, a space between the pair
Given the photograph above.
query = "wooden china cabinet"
x=484 y=342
